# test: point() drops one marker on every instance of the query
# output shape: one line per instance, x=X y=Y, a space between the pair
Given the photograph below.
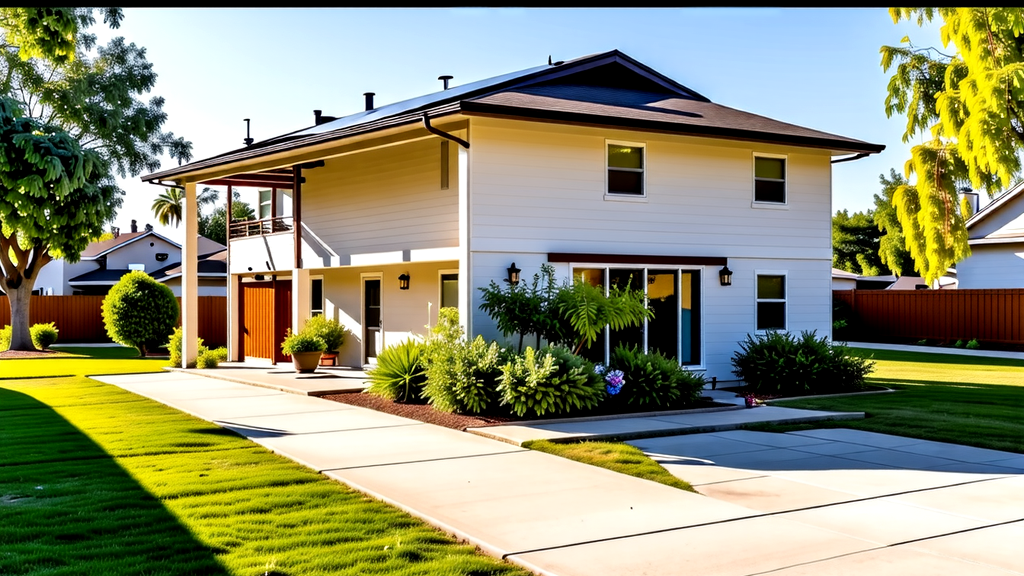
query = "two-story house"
x=599 y=166
x=996 y=237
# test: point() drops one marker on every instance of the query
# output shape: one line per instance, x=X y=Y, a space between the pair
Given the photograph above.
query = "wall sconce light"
x=403 y=281
x=725 y=276
x=513 y=274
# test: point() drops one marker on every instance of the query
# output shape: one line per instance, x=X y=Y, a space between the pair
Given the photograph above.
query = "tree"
x=855 y=240
x=214 y=225
x=168 y=207
x=140 y=312
x=75 y=120
x=54 y=197
x=892 y=245
x=969 y=107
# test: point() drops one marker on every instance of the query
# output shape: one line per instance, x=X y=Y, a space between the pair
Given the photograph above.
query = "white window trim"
x=323 y=294
x=440 y=289
x=754 y=203
x=702 y=365
x=785 y=300
x=643 y=173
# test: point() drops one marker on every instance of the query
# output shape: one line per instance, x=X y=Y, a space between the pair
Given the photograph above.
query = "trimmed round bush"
x=5 y=337
x=43 y=335
x=140 y=312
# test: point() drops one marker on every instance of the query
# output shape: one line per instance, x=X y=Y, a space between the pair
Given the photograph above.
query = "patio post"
x=189 y=278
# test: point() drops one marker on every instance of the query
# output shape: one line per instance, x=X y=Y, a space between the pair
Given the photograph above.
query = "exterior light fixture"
x=725 y=276
x=403 y=281
x=513 y=274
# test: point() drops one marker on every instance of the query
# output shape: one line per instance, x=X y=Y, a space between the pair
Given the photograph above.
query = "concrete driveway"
x=930 y=507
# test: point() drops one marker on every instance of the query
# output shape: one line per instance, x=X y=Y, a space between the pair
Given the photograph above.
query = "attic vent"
x=445 y=79
x=369 y=100
x=161 y=256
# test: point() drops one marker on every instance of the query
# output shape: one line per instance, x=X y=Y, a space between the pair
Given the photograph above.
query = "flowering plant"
x=752 y=401
x=614 y=381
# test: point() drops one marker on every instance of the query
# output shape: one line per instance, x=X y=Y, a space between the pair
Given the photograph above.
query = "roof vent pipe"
x=319 y=118
x=369 y=100
x=445 y=79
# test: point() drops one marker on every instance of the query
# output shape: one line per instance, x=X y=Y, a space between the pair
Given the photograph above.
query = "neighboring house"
x=600 y=166
x=843 y=280
x=996 y=237
x=103 y=263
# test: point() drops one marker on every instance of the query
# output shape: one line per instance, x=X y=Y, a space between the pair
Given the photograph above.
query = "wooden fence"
x=79 y=318
x=995 y=316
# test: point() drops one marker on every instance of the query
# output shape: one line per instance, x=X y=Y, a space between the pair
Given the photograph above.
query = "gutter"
x=442 y=134
x=851 y=158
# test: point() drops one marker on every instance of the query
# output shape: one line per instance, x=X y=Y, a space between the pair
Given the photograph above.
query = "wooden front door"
x=266 y=316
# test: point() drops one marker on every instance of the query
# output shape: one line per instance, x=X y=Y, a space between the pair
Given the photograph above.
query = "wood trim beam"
x=638 y=259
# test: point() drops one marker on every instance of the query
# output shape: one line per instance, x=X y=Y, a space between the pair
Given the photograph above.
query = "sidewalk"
x=938 y=350
x=559 y=517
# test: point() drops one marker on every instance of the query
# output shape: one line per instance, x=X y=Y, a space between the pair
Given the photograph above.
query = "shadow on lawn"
x=68 y=507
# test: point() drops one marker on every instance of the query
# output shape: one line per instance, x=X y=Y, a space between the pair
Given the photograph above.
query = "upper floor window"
x=625 y=169
x=770 y=179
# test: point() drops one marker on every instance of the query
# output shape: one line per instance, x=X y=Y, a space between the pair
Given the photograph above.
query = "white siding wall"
x=1007 y=220
x=140 y=252
x=539 y=188
x=383 y=200
x=992 y=266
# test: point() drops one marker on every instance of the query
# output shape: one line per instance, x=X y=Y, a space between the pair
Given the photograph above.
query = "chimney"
x=319 y=118
x=115 y=231
x=972 y=199
x=369 y=100
x=445 y=79
x=135 y=227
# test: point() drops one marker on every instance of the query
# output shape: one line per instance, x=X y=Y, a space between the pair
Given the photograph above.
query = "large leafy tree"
x=168 y=206
x=966 y=103
x=74 y=118
x=54 y=196
x=855 y=239
x=892 y=245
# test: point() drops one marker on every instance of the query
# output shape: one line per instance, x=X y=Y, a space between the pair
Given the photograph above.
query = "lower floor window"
x=675 y=297
x=771 y=302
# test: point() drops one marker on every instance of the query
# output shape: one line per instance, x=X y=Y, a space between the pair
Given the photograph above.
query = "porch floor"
x=326 y=380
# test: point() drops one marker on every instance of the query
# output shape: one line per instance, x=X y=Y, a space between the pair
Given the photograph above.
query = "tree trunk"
x=19 y=299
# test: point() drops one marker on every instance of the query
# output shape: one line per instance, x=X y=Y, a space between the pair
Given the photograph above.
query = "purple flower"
x=612 y=390
x=615 y=378
x=600 y=369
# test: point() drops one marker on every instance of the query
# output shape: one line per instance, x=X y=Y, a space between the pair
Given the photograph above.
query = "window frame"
x=755 y=203
x=323 y=296
x=784 y=300
x=699 y=366
x=440 y=286
x=618 y=196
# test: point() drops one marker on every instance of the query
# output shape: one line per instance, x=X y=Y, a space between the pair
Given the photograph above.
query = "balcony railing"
x=263 y=227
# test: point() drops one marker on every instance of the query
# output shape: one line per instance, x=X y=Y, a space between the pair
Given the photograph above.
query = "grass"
x=975 y=401
x=615 y=456
x=81 y=361
x=96 y=480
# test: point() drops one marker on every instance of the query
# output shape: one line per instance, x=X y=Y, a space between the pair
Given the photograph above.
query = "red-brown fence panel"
x=995 y=316
x=80 y=318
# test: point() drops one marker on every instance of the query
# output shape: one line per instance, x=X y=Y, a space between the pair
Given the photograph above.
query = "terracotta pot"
x=306 y=362
x=329 y=359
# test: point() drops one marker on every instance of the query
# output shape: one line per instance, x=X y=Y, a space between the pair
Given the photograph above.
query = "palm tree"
x=168 y=206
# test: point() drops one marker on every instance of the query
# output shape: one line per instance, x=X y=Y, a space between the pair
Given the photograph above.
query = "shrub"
x=211 y=358
x=330 y=331
x=302 y=342
x=654 y=380
x=959 y=344
x=779 y=363
x=43 y=335
x=550 y=381
x=140 y=312
x=5 y=338
x=399 y=373
x=174 y=348
x=973 y=344
x=461 y=376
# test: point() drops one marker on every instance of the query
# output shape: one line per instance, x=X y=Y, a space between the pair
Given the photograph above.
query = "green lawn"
x=615 y=456
x=965 y=400
x=96 y=480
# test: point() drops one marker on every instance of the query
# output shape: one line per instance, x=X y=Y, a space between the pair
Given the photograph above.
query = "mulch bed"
x=426 y=413
x=30 y=353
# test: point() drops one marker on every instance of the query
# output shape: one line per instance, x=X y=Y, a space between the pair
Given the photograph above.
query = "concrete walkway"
x=556 y=516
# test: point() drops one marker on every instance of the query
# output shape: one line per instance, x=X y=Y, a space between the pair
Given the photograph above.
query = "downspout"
x=442 y=134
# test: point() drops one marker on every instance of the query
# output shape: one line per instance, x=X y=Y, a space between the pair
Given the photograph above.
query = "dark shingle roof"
x=608 y=89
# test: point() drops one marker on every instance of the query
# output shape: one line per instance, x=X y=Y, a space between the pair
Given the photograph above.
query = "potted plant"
x=331 y=332
x=305 y=349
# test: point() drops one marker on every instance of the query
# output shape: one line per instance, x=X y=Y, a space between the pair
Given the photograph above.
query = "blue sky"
x=812 y=67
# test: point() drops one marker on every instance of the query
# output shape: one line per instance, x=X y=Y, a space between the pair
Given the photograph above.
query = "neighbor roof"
x=607 y=89
x=995 y=205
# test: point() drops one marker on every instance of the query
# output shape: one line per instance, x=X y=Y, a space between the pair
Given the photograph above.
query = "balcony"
x=262 y=227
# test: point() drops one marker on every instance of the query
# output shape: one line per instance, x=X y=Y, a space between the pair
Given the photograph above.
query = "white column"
x=234 y=313
x=465 y=260
x=300 y=298
x=190 y=279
